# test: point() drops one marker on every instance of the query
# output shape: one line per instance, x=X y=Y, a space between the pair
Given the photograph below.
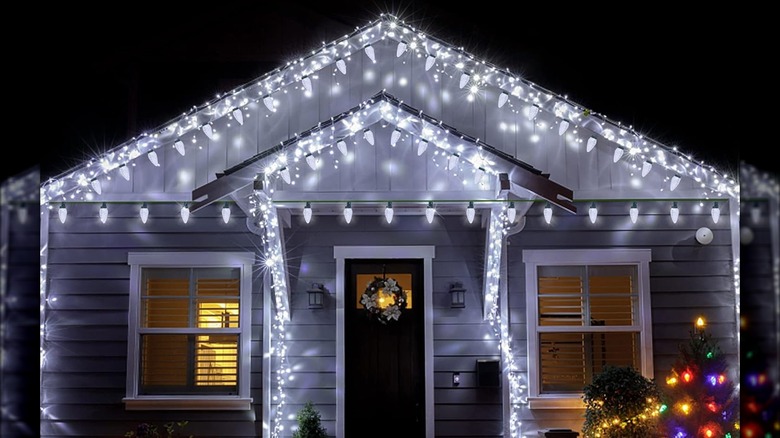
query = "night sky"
x=109 y=72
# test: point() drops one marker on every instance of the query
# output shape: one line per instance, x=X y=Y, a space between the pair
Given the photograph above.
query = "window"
x=586 y=309
x=189 y=331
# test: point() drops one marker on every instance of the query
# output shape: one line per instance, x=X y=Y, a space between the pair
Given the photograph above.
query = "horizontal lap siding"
x=460 y=337
x=686 y=279
x=85 y=375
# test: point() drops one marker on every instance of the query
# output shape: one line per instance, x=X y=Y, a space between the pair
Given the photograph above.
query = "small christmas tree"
x=309 y=423
x=701 y=401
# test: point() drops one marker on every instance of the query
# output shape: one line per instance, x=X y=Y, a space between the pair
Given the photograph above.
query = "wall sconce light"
x=457 y=295
x=316 y=294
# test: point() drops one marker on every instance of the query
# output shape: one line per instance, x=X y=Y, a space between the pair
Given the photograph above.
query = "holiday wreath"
x=383 y=299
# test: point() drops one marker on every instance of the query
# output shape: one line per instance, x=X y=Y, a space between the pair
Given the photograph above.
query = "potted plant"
x=309 y=423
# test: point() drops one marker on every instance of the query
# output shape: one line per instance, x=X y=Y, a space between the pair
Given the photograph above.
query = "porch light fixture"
x=103 y=213
x=144 y=213
x=316 y=293
x=268 y=101
x=563 y=126
x=342 y=146
x=62 y=212
x=502 y=99
x=593 y=212
x=348 y=212
x=533 y=110
x=95 y=183
x=674 y=212
x=591 y=143
x=389 y=212
x=226 y=212
x=633 y=212
x=179 y=146
x=430 y=60
x=511 y=213
x=715 y=212
x=238 y=115
x=369 y=50
x=306 y=81
x=152 y=155
x=430 y=212
x=400 y=49
x=125 y=172
x=755 y=213
x=618 y=154
x=368 y=135
x=647 y=166
x=341 y=65
x=395 y=136
x=470 y=212
x=285 y=174
x=464 y=80
x=548 y=213
x=421 y=147
x=311 y=160
x=307 y=212
x=208 y=130
x=457 y=295
x=185 y=213
x=675 y=182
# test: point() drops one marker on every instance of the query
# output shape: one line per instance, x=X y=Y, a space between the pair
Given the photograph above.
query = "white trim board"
x=427 y=254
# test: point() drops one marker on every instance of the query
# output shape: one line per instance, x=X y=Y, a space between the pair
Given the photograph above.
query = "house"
x=232 y=265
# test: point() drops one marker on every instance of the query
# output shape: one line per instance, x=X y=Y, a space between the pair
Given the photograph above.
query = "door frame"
x=427 y=254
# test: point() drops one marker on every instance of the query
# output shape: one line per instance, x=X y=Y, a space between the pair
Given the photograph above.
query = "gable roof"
x=516 y=94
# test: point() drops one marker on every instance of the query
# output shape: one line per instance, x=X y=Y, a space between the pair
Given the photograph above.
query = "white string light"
x=647 y=166
x=675 y=182
x=674 y=212
x=96 y=186
x=226 y=212
x=103 y=213
x=341 y=65
x=369 y=50
x=152 y=155
x=306 y=82
x=502 y=99
x=533 y=110
x=617 y=154
x=238 y=115
x=307 y=212
x=715 y=212
x=563 y=126
x=125 y=172
x=421 y=147
x=208 y=129
x=511 y=213
x=312 y=161
x=268 y=101
x=400 y=49
x=464 y=80
x=593 y=213
x=342 y=146
x=185 y=213
x=179 y=146
x=389 y=212
x=368 y=135
x=62 y=212
x=452 y=161
x=592 y=140
x=348 y=212
x=430 y=212
x=633 y=212
x=548 y=213
x=430 y=61
x=470 y=212
x=144 y=213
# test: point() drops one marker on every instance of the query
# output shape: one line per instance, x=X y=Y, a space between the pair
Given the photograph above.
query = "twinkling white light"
x=208 y=130
x=152 y=155
x=238 y=115
x=592 y=140
x=63 y=213
x=96 y=186
x=675 y=182
x=633 y=212
x=389 y=212
x=268 y=101
x=548 y=213
x=341 y=65
x=307 y=212
x=312 y=161
x=395 y=136
x=400 y=49
x=430 y=61
x=103 y=213
x=421 y=147
x=144 y=213
x=430 y=212
x=368 y=135
x=533 y=110
x=563 y=126
x=125 y=172
x=452 y=161
x=715 y=212
x=618 y=154
x=348 y=212
x=464 y=80
x=369 y=49
x=285 y=174
x=179 y=146
x=306 y=82
x=470 y=212
x=647 y=166
x=185 y=213
x=511 y=213
x=674 y=212
x=342 y=146
x=593 y=212
x=226 y=212
x=502 y=99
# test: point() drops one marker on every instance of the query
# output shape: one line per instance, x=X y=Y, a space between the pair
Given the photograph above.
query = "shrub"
x=309 y=423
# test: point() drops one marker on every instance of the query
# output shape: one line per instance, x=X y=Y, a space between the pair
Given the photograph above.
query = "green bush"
x=309 y=423
x=621 y=403
x=148 y=430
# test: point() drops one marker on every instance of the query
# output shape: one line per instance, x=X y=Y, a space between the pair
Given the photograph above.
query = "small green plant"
x=621 y=403
x=169 y=430
x=309 y=423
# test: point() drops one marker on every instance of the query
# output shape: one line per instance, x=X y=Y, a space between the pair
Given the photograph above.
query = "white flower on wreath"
x=391 y=286
x=368 y=301
x=392 y=312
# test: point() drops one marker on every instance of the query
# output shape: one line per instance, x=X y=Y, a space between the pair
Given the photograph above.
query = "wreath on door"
x=384 y=300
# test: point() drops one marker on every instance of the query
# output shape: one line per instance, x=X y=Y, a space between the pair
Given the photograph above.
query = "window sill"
x=556 y=402
x=184 y=403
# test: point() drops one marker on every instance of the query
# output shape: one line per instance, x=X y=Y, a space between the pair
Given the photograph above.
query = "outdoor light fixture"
x=311 y=160
x=348 y=212
x=307 y=212
x=675 y=182
x=430 y=60
x=563 y=126
x=470 y=212
x=457 y=295
x=268 y=101
x=62 y=212
x=144 y=213
x=715 y=212
x=306 y=81
x=125 y=172
x=533 y=110
x=226 y=212
x=370 y=52
x=674 y=212
x=704 y=236
x=389 y=212
x=647 y=166
x=511 y=213
x=368 y=135
x=394 y=137
x=591 y=143
x=634 y=213
x=316 y=294
x=95 y=183
x=342 y=145
x=502 y=99
x=401 y=49
x=208 y=130
x=152 y=155
x=421 y=147
x=617 y=154
x=452 y=161
x=755 y=213
x=548 y=213
x=464 y=80
x=430 y=212
x=342 y=66
x=103 y=213
x=238 y=115
x=185 y=213
x=285 y=174
x=179 y=146
x=593 y=212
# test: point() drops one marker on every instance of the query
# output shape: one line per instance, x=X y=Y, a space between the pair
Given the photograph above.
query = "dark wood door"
x=384 y=370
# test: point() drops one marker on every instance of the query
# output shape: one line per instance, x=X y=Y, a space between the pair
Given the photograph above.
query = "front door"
x=384 y=374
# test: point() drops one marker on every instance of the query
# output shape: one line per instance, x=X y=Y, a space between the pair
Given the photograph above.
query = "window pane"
x=404 y=282
x=612 y=295
x=216 y=361
x=568 y=361
x=561 y=295
x=165 y=298
x=163 y=362
x=218 y=313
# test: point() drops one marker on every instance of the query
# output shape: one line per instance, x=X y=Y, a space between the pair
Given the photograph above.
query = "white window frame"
x=533 y=259
x=140 y=260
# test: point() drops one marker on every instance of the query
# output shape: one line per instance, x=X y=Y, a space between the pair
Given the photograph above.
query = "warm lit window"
x=187 y=326
x=586 y=310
